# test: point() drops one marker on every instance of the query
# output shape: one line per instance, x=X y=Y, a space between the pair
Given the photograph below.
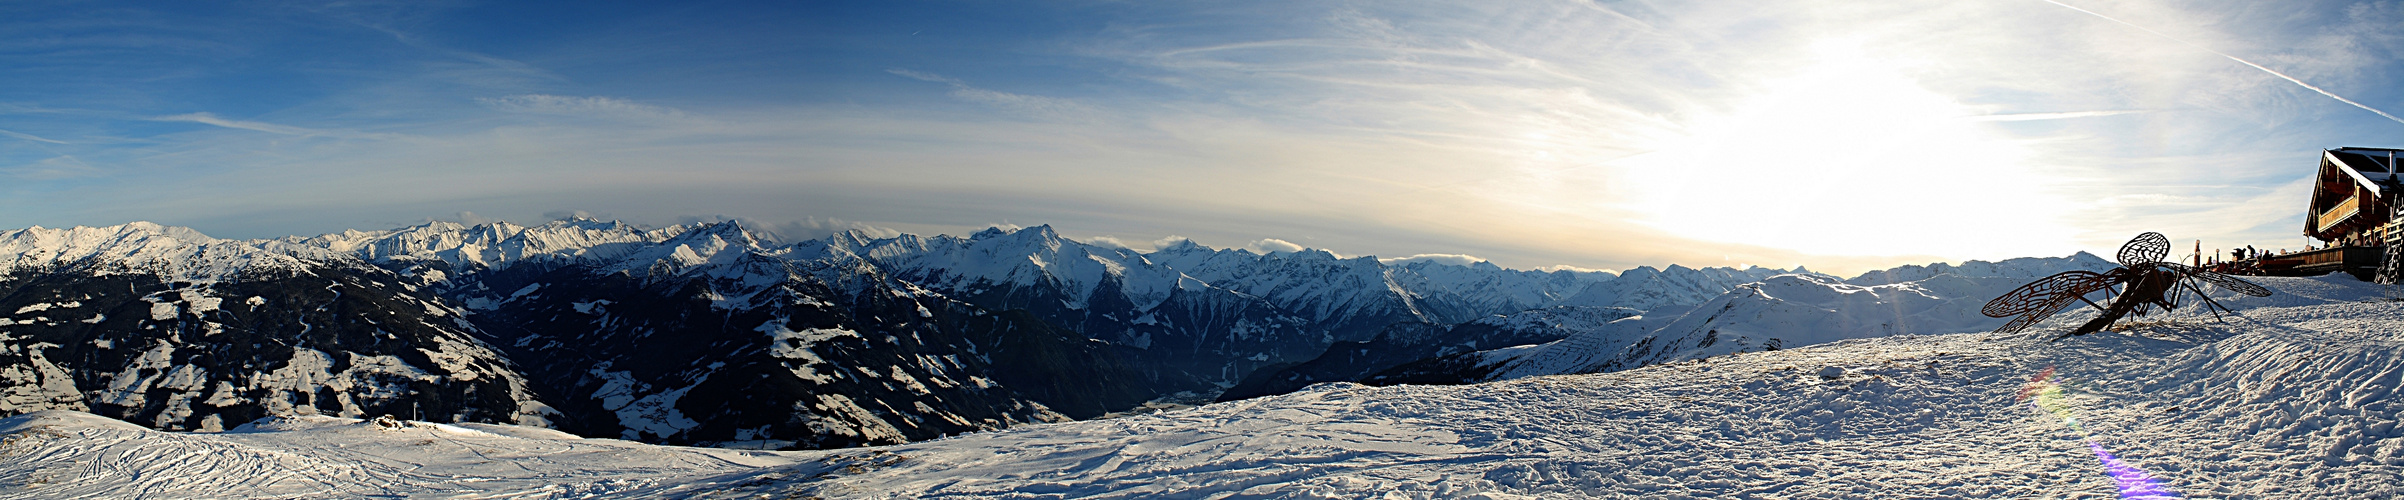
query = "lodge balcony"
x=2338 y=214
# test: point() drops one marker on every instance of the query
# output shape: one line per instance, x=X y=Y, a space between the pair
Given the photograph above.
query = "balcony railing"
x=2339 y=213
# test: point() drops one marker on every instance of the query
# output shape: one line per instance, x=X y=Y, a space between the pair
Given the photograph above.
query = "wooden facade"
x=2353 y=213
x=2354 y=197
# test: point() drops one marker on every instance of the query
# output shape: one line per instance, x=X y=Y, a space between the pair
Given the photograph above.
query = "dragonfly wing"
x=2038 y=313
x=2144 y=249
x=2063 y=287
x=2231 y=283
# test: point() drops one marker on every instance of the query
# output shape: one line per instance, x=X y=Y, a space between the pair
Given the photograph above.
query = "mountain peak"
x=729 y=231
x=1182 y=245
x=852 y=239
x=1040 y=235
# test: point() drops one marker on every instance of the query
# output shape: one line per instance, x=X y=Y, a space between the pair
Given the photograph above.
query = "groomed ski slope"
x=2292 y=399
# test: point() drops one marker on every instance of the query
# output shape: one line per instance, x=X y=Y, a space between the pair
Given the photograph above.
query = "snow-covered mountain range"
x=710 y=332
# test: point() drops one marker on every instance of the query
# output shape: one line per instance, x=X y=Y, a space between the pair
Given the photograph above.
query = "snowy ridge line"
x=1313 y=283
x=142 y=247
x=498 y=244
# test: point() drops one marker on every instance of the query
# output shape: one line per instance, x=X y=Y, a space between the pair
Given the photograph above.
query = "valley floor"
x=2290 y=399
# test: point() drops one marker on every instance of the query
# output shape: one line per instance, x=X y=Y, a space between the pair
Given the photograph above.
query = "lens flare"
x=2134 y=483
x=2049 y=394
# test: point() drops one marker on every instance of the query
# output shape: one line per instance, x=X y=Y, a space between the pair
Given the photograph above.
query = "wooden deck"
x=2360 y=261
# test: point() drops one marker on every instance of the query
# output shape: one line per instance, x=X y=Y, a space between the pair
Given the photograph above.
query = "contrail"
x=2234 y=58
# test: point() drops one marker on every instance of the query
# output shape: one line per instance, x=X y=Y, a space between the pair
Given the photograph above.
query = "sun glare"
x=1851 y=158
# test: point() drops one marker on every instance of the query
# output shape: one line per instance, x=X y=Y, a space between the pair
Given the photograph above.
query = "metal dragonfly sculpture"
x=2143 y=280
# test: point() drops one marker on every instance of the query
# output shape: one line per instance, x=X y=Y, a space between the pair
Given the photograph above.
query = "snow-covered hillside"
x=1778 y=312
x=1403 y=343
x=2291 y=399
x=176 y=330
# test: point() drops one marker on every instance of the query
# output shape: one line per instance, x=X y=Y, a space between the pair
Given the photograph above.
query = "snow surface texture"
x=60 y=454
x=2291 y=398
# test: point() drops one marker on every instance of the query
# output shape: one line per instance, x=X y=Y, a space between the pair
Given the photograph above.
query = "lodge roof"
x=2373 y=168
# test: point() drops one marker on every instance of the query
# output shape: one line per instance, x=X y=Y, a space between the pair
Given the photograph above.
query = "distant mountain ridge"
x=712 y=333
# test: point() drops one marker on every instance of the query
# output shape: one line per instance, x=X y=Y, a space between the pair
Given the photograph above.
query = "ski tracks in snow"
x=69 y=455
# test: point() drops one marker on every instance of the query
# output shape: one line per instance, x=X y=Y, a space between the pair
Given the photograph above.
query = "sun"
x=1850 y=158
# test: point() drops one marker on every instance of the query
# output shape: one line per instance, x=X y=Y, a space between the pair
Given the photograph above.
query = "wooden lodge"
x=2354 y=196
x=2353 y=214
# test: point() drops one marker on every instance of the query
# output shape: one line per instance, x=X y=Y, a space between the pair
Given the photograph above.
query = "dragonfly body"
x=2142 y=282
x=2146 y=288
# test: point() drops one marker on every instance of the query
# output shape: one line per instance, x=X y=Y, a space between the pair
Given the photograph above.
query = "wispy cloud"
x=587 y=106
x=1107 y=242
x=798 y=230
x=927 y=77
x=49 y=169
x=2265 y=69
x=1443 y=258
x=1272 y=245
x=393 y=18
x=29 y=137
x=1574 y=269
x=214 y=120
x=1048 y=107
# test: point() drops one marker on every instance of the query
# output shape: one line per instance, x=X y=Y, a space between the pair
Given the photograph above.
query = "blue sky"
x=1839 y=135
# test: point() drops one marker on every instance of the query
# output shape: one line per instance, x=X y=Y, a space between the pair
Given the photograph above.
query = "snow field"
x=2284 y=401
x=2289 y=398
